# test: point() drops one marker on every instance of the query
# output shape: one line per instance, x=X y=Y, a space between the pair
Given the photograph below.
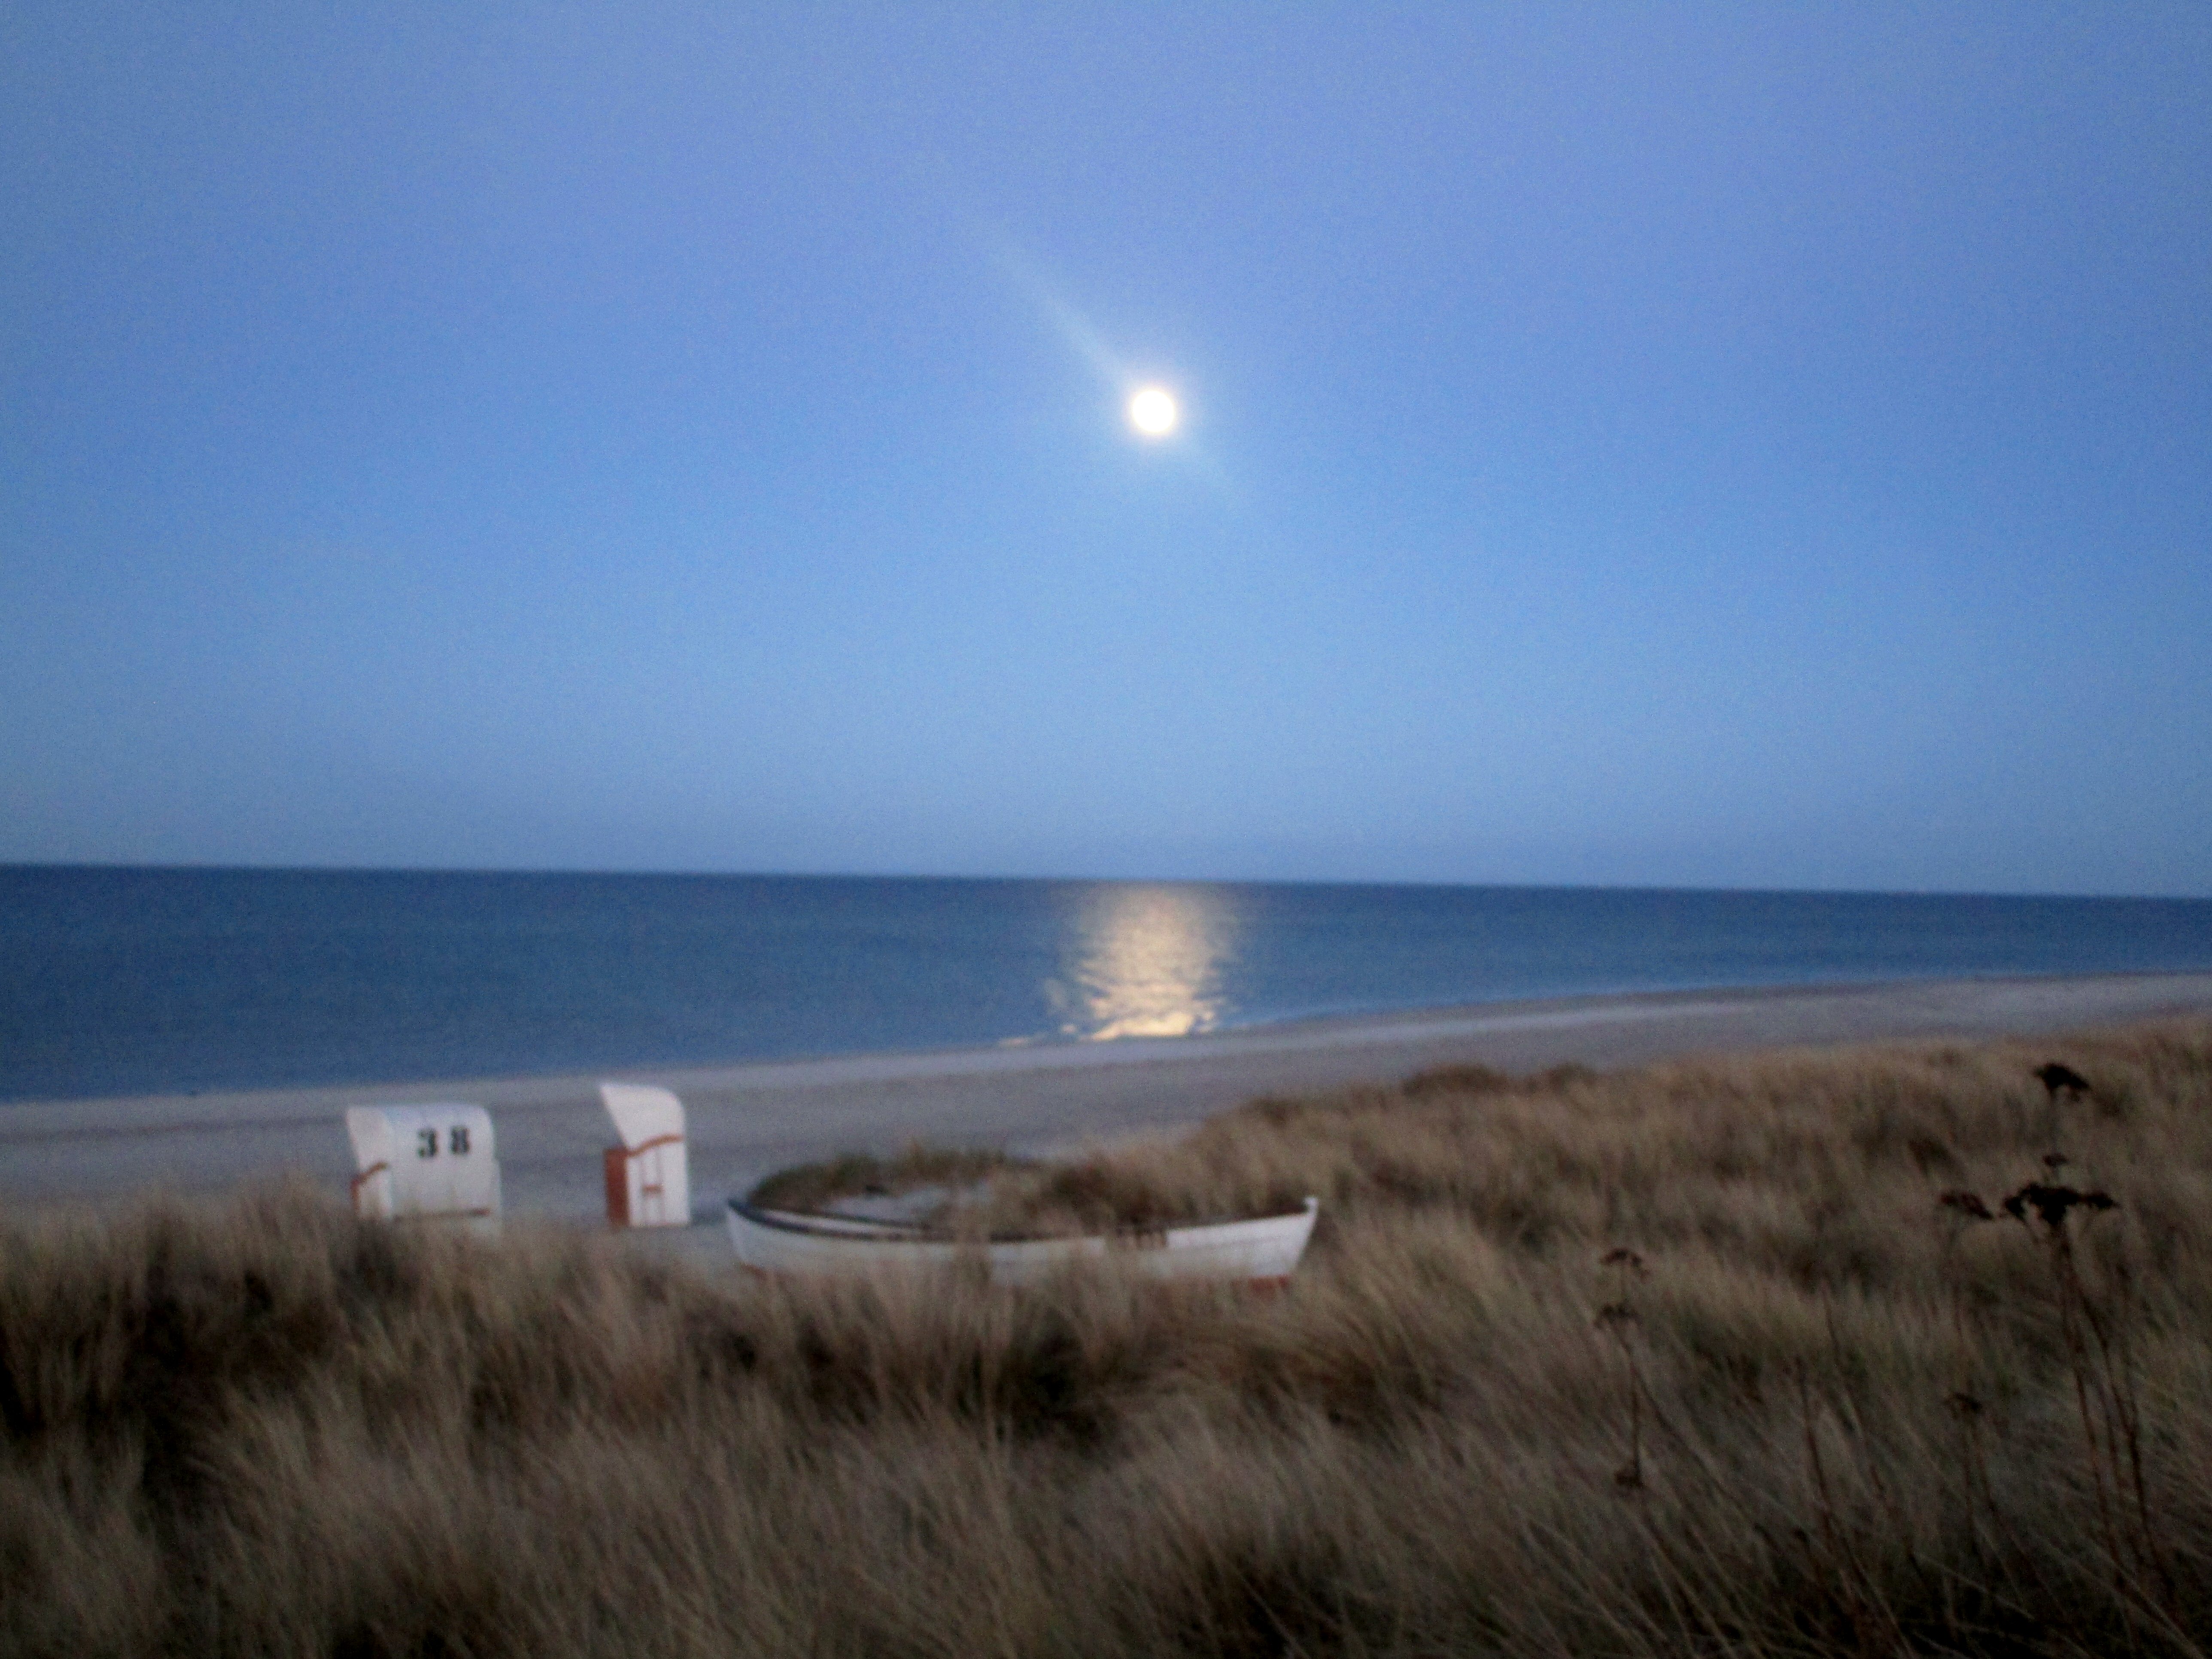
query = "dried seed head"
x=1966 y=1204
x=2052 y=1204
x=2061 y=1079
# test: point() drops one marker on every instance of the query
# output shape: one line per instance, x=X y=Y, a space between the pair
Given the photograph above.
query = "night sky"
x=1762 y=446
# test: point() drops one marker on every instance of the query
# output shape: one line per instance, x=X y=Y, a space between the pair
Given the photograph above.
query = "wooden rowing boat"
x=1264 y=1249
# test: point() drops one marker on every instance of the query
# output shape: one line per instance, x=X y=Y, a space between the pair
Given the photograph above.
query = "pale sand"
x=746 y=1120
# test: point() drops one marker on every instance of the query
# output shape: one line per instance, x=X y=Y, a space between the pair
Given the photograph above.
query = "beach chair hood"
x=648 y=1178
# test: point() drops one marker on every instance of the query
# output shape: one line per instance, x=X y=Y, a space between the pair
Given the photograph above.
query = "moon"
x=1153 y=411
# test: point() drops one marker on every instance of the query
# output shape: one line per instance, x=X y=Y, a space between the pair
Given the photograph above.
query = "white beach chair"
x=430 y=1163
x=649 y=1175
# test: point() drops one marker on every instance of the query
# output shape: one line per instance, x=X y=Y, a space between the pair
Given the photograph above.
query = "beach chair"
x=649 y=1175
x=426 y=1162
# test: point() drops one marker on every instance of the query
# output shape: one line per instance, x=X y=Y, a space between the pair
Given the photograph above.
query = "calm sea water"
x=127 y=980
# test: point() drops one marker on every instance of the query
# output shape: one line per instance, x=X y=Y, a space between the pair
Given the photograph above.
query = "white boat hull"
x=1265 y=1250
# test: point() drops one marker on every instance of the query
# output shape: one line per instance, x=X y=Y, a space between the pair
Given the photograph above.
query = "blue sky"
x=1759 y=446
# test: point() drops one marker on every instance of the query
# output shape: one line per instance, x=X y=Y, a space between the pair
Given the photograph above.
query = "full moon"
x=1153 y=411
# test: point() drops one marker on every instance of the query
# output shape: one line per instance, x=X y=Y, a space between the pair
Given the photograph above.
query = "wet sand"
x=746 y=1120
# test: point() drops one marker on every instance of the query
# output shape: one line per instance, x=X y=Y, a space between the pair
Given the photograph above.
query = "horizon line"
x=550 y=871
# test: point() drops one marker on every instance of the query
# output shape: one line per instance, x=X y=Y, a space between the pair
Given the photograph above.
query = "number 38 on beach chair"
x=649 y=1175
x=428 y=1162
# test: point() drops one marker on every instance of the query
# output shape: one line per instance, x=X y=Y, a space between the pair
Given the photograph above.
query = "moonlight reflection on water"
x=1146 y=962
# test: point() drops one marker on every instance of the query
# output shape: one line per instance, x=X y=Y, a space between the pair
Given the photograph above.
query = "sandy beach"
x=746 y=1120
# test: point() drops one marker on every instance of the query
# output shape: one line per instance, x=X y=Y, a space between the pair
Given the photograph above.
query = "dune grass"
x=1700 y=1358
x=919 y=1166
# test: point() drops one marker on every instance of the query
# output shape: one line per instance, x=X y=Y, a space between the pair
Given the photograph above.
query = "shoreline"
x=750 y=1118
x=1052 y=1052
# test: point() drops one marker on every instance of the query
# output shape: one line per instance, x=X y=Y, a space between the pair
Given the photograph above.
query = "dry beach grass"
x=1694 y=1358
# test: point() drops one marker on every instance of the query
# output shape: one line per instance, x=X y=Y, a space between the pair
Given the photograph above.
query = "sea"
x=127 y=980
